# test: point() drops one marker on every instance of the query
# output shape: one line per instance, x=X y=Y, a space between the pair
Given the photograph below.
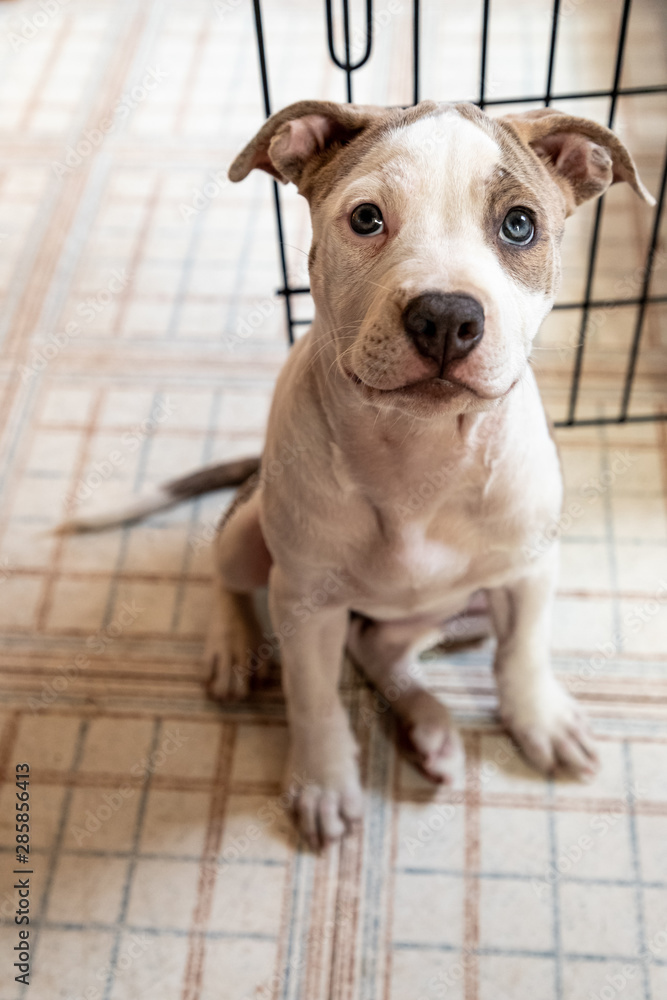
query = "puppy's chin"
x=428 y=396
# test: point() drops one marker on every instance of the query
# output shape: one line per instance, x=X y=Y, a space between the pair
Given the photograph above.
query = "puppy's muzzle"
x=444 y=327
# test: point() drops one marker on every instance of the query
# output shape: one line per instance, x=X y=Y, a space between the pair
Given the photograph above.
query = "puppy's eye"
x=518 y=227
x=366 y=220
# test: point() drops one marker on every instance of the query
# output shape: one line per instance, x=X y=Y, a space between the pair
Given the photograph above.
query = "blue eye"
x=518 y=227
x=366 y=220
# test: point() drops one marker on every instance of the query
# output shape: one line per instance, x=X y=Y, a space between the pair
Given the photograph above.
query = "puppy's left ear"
x=296 y=142
x=583 y=157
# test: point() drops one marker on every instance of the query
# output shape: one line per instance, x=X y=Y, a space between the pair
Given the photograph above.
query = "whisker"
x=377 y=285
x=293 y=247
x=326 y=344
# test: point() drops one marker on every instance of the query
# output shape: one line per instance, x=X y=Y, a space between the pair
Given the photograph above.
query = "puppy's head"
x=436 y=234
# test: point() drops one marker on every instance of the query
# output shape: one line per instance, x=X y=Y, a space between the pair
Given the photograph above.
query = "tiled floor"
x=140 y=337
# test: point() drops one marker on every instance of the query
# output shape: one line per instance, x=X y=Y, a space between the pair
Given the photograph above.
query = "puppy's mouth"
x=433 y=388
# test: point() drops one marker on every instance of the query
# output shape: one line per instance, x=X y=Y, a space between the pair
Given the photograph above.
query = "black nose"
x=444 y=326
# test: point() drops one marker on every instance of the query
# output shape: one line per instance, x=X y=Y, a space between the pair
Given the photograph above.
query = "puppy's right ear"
x=582 y=156
x=297 y=141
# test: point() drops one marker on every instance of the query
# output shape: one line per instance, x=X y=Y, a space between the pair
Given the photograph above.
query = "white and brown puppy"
x=435 y=257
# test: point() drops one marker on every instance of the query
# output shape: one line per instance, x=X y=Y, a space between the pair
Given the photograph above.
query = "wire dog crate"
x=640 y=303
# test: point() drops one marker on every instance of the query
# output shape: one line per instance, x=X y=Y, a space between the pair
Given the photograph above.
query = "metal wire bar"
x=349 y=67
x=579 y=95
x=415 y=51
x=595 y=238
x=651 y=300
x=552 y=53
x=259 y=32
x=644 y=301
x=647 y=418
x=346 y=33
x=486 y=12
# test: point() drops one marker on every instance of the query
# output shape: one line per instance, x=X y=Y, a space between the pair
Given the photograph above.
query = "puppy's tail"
x=206 y=480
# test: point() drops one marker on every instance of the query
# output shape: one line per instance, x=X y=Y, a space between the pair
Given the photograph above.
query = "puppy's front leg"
x=544 y=719
x=322 y=770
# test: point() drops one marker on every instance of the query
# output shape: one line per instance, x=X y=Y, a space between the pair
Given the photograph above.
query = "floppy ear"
x=301 y=138
x=583 y=157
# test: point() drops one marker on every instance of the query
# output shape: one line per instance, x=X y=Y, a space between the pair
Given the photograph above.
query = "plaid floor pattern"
x=140 y=337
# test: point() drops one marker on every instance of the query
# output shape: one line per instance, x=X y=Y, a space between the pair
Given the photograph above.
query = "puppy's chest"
x=456 y=545
x=415 y=556
x=413 y=547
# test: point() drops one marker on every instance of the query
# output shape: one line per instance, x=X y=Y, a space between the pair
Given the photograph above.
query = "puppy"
x=435 y=258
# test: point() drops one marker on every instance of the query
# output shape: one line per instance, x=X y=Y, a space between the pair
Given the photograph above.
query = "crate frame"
x=641 y=302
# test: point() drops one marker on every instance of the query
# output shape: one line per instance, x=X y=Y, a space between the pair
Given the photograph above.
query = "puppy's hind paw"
x=237 y=657
x=429 y=740
x=233 y=661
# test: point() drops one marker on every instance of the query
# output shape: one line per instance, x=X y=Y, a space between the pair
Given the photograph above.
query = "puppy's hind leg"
x=386 y=652
x=232 y=652
x=235 y=644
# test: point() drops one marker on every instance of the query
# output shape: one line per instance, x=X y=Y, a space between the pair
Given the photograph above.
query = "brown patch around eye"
x=522 y=181
x=532 y=264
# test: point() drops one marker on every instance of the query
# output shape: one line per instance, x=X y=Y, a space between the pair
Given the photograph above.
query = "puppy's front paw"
x=325 y=813
x=550 y=728
x=323 y=779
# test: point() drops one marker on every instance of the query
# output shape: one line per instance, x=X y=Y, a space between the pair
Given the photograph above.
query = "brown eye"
x=518 y=227
x=366 y=220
